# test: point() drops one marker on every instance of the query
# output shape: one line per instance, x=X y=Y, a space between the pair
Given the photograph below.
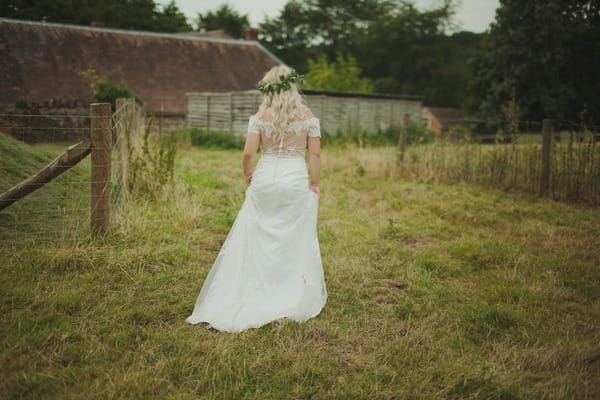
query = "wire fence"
x=62 y=210
x=555 y=159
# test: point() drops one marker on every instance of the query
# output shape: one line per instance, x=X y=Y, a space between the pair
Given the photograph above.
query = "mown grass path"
x=435 y=292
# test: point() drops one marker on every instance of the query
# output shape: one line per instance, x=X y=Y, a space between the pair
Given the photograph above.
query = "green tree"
x=398 y=47
x=124 y=14
x=290 y=35
x=341 y=75
x=335 y=23
x=545 y=52
x=225 y=18
x=171 y=19
x=408 y=52
x=306 y=28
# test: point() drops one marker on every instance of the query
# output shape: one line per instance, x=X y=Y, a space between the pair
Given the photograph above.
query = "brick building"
x=439 y=120
x=40 y=64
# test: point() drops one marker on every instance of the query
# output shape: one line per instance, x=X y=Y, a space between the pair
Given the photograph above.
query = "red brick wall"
x=55 y=120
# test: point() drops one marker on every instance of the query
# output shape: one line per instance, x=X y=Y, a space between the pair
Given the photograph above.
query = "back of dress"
x=293 y=142
x=269 y=266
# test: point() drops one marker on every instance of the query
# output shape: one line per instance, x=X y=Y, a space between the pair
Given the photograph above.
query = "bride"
x=269 y=266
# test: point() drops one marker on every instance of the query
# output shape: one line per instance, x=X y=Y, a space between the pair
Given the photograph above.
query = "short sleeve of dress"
x=313 y=127
x=253 y=126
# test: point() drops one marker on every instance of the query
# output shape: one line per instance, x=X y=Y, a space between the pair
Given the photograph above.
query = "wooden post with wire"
x=547 y=131
x=101 y=139
x=402 y=137
x=123 y=126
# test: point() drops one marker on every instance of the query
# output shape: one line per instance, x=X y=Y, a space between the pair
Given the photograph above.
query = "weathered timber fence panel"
x=338 y=112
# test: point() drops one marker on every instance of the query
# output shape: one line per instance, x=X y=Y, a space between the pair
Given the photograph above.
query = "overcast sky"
x=471 y=15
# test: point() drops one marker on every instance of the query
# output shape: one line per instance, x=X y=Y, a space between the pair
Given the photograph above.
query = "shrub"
x=105 y=91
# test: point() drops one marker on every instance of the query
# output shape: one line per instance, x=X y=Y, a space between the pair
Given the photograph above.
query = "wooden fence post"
x=231 y=113
x=208 y=113
x=547 y=131
x=160 y=117
x=402 y=137
x=124 y=122
x=101 y=138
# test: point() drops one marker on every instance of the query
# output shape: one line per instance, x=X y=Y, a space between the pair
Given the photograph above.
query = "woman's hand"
x=248 y=179
x=315 y=188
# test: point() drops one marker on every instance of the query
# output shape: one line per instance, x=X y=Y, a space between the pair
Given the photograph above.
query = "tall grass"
x=514 y=166
x=417 y=133
x=152 y=162
x=512 y=162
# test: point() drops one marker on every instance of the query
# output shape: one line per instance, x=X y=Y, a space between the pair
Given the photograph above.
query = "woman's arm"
x=250 y=148
x=314 y=162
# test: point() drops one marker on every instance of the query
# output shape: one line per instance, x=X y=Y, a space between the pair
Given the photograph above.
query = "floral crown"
x=285 y=83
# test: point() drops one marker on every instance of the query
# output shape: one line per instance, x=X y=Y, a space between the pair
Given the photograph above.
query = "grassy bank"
x=58 y=211
x=435 y=292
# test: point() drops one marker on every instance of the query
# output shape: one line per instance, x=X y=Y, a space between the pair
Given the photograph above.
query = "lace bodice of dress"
x=293 y=143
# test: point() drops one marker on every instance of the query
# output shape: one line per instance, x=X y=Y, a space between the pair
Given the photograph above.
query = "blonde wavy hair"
x=285 y=105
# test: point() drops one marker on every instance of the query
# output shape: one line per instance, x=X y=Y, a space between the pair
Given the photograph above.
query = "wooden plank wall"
x=230 y=111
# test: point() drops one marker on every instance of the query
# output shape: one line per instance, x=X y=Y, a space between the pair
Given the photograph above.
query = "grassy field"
x=435 y=292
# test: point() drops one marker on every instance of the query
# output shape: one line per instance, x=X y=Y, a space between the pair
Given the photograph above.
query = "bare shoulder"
x=264 y=113
x=306 y=113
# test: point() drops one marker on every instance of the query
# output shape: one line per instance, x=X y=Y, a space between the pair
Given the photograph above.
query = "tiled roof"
x=40 y=61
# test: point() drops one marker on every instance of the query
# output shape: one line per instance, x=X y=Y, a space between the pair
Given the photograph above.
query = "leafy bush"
x=342 y=74
x=105 y=91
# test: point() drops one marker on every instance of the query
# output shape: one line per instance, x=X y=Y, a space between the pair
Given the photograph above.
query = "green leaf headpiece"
x=285 y=83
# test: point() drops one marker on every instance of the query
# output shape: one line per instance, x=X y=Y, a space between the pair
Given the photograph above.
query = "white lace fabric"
x=294 y=141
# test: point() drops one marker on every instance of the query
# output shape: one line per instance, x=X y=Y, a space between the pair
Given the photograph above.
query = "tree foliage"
x=546 y=54
x=307 y=28
x=399 y=48
x=291 y=35
x=124 y=14
x=343 y=75
x=225 y=18
x=408 y=52
x=104 y=91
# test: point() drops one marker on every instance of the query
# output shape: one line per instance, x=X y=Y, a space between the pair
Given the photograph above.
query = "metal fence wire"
x=562 y=163
x=58 y=211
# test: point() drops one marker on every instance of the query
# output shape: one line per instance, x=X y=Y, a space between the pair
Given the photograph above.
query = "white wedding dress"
x=269 y=266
